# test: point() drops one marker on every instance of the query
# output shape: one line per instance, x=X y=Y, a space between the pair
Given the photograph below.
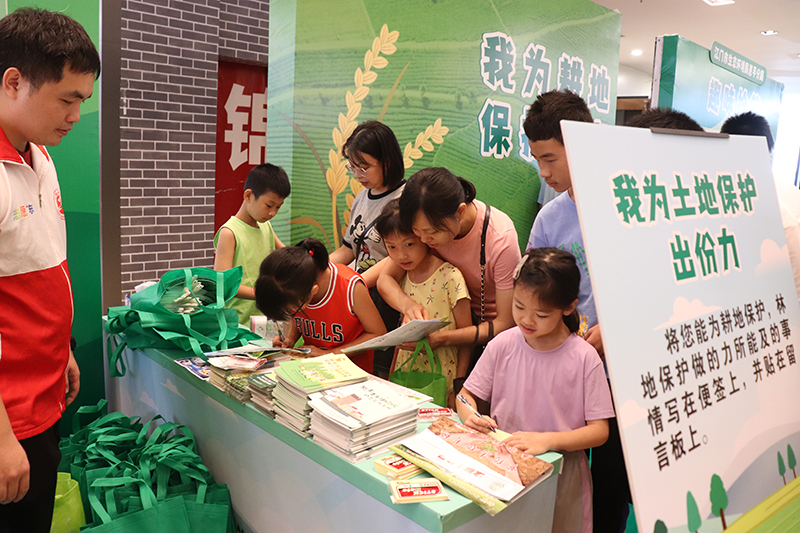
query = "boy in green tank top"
x=247 y=238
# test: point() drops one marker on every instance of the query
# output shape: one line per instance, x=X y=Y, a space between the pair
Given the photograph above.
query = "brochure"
x=409 y=332
x=481 y=468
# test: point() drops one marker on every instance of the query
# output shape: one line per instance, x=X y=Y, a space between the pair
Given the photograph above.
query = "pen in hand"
x=476 y=413
x=280 y=331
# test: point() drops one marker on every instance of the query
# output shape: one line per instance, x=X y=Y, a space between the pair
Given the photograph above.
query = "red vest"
x=35 y=291
x=332 y=321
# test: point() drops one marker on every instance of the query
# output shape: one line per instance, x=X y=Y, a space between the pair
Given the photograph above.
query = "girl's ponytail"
x=469 y=189
x=317 y=251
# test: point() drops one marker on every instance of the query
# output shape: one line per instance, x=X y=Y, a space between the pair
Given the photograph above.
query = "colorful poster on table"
x=712 y=85
x=699 y=317
x=451 y=79
x=241 y=132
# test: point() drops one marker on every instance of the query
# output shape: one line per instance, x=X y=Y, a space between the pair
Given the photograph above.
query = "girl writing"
x=326 y=303
x=545 y=384
x=432 y=283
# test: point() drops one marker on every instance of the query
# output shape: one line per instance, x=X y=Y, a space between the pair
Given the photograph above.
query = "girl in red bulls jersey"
x=328 y=304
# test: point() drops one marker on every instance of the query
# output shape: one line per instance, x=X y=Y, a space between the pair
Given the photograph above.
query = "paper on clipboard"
x=409 y=332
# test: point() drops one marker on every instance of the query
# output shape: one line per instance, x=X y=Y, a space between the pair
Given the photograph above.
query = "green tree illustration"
x=719 y=499
x=781 y=468
x=692 y=513
x=790 y=457
x=660 y=527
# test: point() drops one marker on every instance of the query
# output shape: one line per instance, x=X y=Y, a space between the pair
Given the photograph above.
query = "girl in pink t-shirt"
x=546 y=386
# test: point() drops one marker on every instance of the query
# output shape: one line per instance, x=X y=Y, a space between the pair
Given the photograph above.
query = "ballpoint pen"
x=469 y=405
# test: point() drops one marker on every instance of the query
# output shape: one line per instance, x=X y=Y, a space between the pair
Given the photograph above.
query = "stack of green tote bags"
x=134 y=483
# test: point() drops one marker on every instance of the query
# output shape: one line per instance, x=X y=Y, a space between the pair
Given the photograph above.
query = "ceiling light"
x=718 y=2
x=636 y=52
x=769 y=32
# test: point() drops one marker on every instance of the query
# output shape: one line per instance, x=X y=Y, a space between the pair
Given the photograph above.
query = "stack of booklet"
x=300 y=378
x=360 y=421
x=224 y=366
x=261 y=387
x=236 y=387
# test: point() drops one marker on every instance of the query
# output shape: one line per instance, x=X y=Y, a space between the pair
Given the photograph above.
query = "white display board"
x=699 y=316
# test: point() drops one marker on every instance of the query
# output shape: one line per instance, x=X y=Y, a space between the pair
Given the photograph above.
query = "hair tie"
x=311 y=253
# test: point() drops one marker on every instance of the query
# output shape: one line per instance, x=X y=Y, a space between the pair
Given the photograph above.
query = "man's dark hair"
x=41 y=43
x=543 y=120
x=662 y=117
x=748 y=123
x=267 y=177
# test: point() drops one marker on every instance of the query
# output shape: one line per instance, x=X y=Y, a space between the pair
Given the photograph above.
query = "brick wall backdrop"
x=170 y=51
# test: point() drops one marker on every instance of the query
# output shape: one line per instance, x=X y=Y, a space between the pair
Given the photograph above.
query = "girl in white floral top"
x=434 y=284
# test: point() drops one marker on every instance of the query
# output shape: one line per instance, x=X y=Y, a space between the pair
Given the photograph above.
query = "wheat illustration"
x=424 y=141
x=336 y=173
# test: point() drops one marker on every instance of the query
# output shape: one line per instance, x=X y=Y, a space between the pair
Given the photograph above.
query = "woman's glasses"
x=358 y=171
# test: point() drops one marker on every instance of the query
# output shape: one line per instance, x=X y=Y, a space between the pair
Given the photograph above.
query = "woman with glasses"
x=326 y=303
x=376 y=162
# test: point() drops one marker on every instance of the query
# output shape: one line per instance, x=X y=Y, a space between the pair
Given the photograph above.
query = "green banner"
x=452 y=79
x=691 y=82
x=738 y=64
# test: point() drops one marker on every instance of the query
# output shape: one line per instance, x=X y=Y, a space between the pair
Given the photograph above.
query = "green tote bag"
x=185 y=310
x=432 y=383
x=155 y=517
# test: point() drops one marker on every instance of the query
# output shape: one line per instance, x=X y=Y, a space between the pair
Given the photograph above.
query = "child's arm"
x=469 y=418
x=462 y=314
x=278 y=243
x=593 y=434
x=368 y=314
x=223 y=260
x=392 y=293
x=343 y=255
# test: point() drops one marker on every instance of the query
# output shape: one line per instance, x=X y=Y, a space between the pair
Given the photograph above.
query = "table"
x=281 y=482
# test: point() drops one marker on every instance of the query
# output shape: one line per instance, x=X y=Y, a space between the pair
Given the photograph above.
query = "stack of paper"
x=300 y=378
x=224 y=366
x=360 y=421
x=395 y=467
x=236 y=387
x=261 y=387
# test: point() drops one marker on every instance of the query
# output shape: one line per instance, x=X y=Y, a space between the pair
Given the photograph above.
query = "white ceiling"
x=737 y=26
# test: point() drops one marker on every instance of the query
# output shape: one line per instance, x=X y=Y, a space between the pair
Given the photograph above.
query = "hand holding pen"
x=463 y=400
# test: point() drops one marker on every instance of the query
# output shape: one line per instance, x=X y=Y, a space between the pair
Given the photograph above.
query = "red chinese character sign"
x=699 y=315
x=451 y=78
x=241 y=133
